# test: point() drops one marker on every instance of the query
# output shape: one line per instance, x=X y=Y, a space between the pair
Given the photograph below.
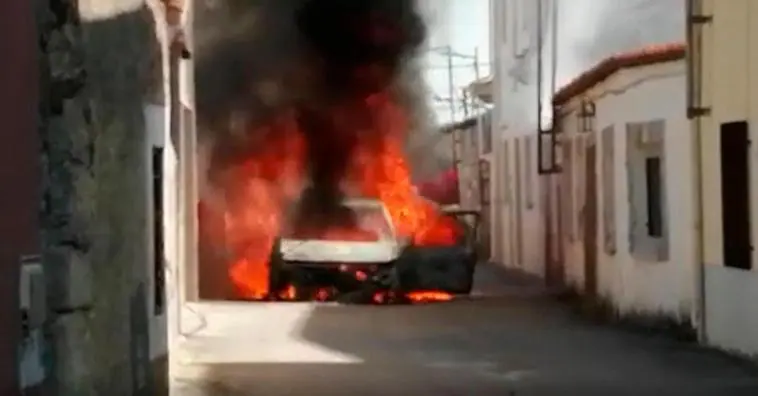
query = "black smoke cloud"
x=257 y=58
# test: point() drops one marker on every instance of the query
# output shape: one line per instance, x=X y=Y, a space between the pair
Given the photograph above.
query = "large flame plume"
x=343 y=133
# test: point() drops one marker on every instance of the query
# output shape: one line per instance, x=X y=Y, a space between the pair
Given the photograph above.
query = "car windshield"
x=363 y=222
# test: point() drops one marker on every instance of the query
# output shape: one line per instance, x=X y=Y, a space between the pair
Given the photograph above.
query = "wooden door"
x=590 y=230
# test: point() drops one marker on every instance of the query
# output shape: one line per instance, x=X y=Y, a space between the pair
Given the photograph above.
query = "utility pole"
x=468 y=104
x=477 y=76
x=464 y=103
x=451 y=82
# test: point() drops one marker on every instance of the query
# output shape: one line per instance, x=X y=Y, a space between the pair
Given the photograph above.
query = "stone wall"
x=95 y=58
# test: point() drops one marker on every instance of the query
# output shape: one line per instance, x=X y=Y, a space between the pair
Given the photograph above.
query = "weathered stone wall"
x=95 y=58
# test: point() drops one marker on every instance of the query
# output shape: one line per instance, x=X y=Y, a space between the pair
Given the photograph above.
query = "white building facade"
x=537 y=46
x=629 y=203
x=690 y=258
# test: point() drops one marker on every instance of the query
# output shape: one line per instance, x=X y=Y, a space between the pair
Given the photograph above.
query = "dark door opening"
x=654 y=193
x=158 y=234
x=735 y=195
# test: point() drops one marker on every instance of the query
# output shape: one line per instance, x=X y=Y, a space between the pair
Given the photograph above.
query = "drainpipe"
x=694 y=114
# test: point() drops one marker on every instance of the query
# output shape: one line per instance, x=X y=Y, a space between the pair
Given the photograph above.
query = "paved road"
x=507 y=341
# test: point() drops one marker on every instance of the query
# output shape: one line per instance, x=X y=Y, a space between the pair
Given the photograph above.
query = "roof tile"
x=645 y=56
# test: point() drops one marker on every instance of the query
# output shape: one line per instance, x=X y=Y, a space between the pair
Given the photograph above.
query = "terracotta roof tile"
x=649 y=55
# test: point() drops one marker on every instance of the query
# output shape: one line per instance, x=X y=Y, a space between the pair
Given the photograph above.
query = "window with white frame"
x=608 y=169
x=648 y=228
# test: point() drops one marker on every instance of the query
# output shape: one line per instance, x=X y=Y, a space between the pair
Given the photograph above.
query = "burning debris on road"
x=286 y=158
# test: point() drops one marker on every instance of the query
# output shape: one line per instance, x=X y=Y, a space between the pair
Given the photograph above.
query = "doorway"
x=590 y=231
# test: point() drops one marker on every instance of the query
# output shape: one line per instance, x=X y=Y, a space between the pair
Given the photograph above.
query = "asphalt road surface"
x=508 y=339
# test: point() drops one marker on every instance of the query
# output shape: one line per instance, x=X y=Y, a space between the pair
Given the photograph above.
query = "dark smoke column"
x=255 y=59
x=358 y=49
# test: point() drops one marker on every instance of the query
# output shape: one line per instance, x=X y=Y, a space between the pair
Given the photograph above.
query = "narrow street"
x=507 y=340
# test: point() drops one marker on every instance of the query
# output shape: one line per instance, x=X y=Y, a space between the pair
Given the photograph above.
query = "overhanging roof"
x=645 y=56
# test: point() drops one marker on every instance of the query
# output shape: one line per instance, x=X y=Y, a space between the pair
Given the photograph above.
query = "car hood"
x=339 y=251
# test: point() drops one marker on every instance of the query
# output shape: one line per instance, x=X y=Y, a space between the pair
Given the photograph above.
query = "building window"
x=528 y=170
x=486 y=128
x=654 y=190
x=457 y=148
x=484 y=182
x=608 y=169
x=648 y=234
x=735 y=195
x=159 y=283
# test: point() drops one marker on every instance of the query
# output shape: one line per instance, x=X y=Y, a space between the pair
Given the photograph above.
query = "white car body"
x=385 y=250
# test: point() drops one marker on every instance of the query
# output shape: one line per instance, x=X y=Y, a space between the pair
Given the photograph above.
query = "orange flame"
x=378 y=169
x=428 y=296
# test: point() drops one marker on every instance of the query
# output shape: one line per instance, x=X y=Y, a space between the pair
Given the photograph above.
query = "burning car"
x=362 y=258
x=340 y=106
x=358 y=252
x=446 y=267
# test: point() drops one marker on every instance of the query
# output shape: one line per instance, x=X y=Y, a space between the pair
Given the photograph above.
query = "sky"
x=588 y=31
x=464 y=25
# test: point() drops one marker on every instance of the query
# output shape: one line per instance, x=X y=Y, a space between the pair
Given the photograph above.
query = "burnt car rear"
x=359 y=252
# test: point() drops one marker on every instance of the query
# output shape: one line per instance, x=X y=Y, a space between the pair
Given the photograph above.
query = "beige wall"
x=729 y=87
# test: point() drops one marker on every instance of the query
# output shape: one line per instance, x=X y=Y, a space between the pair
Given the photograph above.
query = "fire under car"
x=366 y=258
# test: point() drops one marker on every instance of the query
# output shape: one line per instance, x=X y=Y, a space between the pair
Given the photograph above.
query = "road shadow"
x=515 y=341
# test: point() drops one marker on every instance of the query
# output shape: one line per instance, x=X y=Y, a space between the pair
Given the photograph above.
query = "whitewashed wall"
x=587 y=32
x=634 y=286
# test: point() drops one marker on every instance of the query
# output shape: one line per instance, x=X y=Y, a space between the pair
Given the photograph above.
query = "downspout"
x=694 y=114
x=553 y=179
x=547 y=239
x=539 y=66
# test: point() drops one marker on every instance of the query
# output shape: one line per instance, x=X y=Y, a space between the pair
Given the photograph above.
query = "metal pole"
x=694 y=98
x=477 y=76
x=539 y=66
x=451 y=82
x=466 y=98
